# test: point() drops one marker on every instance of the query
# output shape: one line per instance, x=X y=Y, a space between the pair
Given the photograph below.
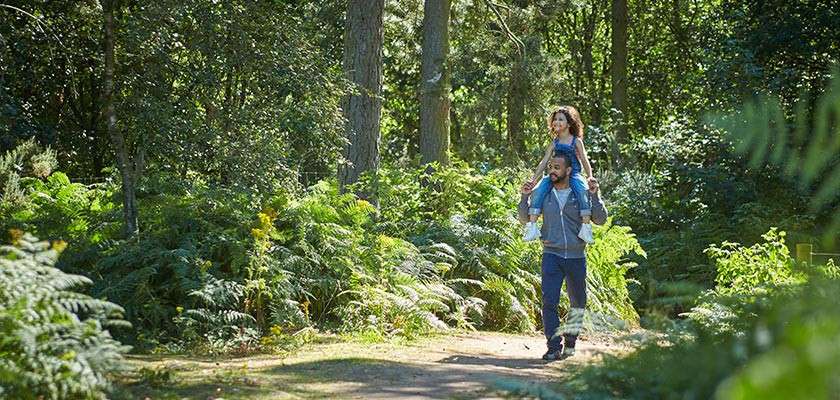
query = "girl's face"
x=559 y=124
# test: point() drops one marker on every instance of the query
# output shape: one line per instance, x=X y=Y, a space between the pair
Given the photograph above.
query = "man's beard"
x=557 y=177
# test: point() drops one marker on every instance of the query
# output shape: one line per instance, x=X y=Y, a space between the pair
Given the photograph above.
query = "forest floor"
x=456 y=366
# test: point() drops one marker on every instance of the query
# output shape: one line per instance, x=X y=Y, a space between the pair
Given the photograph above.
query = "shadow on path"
x=494 y=361
x=456 y=376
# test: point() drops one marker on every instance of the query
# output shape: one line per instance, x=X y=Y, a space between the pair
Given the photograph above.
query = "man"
x=564 y=254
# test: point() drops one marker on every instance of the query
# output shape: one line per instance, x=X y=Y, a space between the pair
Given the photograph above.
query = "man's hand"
x=527 y=188
x=593 y=185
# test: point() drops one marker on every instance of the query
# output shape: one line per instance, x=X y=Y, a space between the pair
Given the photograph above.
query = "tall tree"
x=363 y=37
x=517 y=89
x=619 y=64
x=435 y=84
x=127 y=165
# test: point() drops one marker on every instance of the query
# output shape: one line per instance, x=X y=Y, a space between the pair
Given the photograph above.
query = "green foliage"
x=745 y=269
x=607 y=264
x=348 y=274
x=473 y=215
x=27 y=161
x=236 y=101
x=741 y=341
x=779 y=347
x=185 y=237
x=216 y=324
x=803 y=360
x=806 y=152
x=61 y=209
x=694 y=192
x=205 y=88
x=759 y=47
x=442 y=252
x=54 y=342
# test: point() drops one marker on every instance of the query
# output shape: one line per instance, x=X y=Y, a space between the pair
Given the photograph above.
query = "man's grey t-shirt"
x=562 y=195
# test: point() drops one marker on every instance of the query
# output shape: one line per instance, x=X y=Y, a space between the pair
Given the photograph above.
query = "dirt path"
x=460 y=366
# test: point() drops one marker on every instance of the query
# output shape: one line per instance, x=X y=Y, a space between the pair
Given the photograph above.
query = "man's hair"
x=566 y=159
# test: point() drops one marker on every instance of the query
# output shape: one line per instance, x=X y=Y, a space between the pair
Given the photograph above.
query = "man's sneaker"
x=568 y=352
x=553 y=355
x=586 y=233
x=531 y=232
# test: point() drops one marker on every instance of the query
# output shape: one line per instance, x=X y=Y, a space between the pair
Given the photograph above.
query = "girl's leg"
x=538 y=196
x=581 y=189
x=532 y=232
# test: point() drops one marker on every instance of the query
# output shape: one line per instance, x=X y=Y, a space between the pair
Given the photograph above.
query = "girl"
x=567 y=131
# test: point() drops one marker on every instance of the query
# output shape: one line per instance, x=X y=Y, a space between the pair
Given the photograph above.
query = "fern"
x=53 y=341
x=217 y=324
x=607 y=265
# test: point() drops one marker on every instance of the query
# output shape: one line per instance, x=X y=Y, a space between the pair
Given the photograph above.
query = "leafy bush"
x=54 y=342
x=63 y=210
x=779 y=335
x=781 y=346
x=184 y=238
x=442 y=251
x=689 y=187
x=800 y=332
x=744 y=269
x=216 y=324
x=348 y=275
x=608 y=297
x=27 y=161
x=805 y=150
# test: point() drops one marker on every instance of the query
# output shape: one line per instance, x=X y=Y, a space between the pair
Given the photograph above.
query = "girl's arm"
x=541 y=167
x=584 y=158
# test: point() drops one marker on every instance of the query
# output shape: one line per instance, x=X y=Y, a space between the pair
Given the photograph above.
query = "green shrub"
x=216 y=324
x=62 y=210
x=607 y=264
x=351 y=277
x=474 y=215
x=54 y=342
x=424 y=261
x=184 y=237
x=745 y=269
x=776 y=342
x=800 y=332
x=26 y=162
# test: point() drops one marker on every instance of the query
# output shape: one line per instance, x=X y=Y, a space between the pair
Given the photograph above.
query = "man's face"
x=557 y=170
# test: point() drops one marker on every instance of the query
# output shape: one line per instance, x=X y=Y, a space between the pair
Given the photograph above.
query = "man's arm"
x=522 y=209
x=599 y=211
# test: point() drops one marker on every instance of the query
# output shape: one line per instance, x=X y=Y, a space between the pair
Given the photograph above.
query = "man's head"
x=559 y=168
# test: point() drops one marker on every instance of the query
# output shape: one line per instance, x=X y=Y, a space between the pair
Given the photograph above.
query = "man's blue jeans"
x=555 y=269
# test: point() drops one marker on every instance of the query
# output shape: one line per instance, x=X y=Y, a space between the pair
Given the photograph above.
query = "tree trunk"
x=455 y=132
x=517 y=90
x=619 y=65
x=435 y=85
x=590 y=22
x=117 y=138
x=363 y=35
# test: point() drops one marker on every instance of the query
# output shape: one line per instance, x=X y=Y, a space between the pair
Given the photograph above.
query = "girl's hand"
x=527 y=188
x=593 y=184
